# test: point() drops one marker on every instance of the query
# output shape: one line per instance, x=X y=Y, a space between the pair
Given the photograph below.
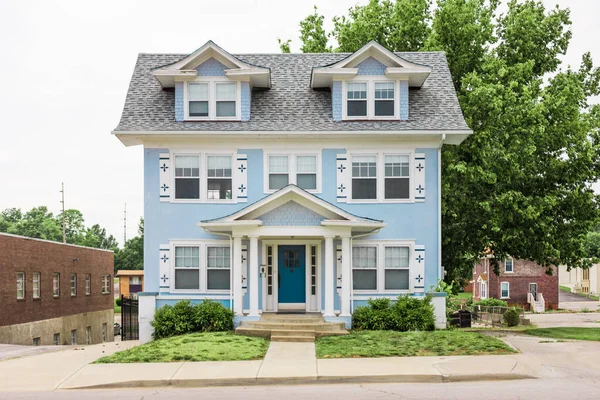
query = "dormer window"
x=357 y=99
x=212 y=99
x=384 y=99
x=371 y=98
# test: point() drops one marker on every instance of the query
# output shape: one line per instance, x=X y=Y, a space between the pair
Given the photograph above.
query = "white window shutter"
x=245 y=268
x=343 y=173
x=164 y=175
x=417 y=274
x=338 y=269
x=240 y=180
x=164 y=262
x=419 y=177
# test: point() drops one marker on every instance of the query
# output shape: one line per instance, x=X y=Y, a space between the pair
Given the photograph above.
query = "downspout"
x=230 y=263
x=440 y=275
x=352 y=286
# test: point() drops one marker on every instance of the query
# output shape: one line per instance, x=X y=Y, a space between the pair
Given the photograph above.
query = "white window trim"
x=292 y=167
x=381 y=175
x=88 y=284
x=481 y=285
x=203 y=175
x=23 y=285
x=108 y=283
x=212 y=99
x=203 y=264
x=381 y=245
x=370 y=81
x=512 y=263
x=73 y=275
x=56 y=275
x=39 y=285
x=507 y=289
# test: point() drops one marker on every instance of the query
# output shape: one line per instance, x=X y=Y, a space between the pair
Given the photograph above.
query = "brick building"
x=54 y=293
x=131 y=282
x=517 y=278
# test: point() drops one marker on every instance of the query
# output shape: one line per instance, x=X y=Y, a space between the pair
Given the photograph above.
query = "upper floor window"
x=364 y=177
x=397 y=177
x=369 y=183
x=56 y=284
x=219 y=177
x=203 y=178
x=36 y=285
x=73 y=284
x=298 y=169
x=88 y=284
x=20 y=285
x=210 y=100
x=105 y=284
x=371 y=99
x=187 y=177
x=508 y=265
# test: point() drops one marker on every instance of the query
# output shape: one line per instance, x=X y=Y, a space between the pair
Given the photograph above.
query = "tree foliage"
x=131 y=256
x=312 y=34
x=521 y=184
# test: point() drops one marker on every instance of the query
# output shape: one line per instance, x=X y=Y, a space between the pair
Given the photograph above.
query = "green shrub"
x=406 y=314
x=118 y=302
x=183 y=317
x=490 y=302
x=512 y=317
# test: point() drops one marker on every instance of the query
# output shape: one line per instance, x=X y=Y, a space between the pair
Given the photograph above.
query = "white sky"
x=66 y=66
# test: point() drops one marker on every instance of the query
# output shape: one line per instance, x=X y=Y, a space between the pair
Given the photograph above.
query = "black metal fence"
x=130 y=326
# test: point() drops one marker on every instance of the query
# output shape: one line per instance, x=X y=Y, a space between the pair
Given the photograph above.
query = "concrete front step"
x=291 y=327
x=321 y=326
x=292 y=339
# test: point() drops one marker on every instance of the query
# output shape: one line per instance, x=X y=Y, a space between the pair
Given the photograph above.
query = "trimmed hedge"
x=406 y=314
x=491 y=302
x=512 y=317
x=185 y=317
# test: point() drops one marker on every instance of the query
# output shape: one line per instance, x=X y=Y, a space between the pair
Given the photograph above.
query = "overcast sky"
x=65 y=67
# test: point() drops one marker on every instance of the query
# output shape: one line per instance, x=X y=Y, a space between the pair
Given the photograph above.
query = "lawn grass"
x=464 y=295
x=566 y=333
x=564 y=288
x=117 y=308
x=209 y=346
x=405 y=344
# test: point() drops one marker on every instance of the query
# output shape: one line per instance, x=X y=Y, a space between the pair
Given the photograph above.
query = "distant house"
x=520 y=283
x=131 y=282
x=586 y=281
x=54 y=293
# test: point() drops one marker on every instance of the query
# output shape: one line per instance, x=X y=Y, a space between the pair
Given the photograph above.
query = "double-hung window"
x=197 y=99
x=20 y=285
x=504 y=290
x=364 y=268
x=356 y=95
x=106 y=284
x=73 y=284
x=508 y=265
x=88 y=284
x=279 y=172
x=306 y=172
x=187 y=177
x=396 y=268
x=384 y=99
x=187 y=267
x=56 y=284
x=36 y=285
x=397 y=177
x=364 y=177
x=219 y=181
x=218 y=268
x=225 y=99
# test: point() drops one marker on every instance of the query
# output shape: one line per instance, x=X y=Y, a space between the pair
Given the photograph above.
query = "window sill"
x=56 y=297
x=23 y=299
x=37 y=299
x=104 y=294
x=221 y=119
x=367 y=119
x=378 y=201
x=202 y=201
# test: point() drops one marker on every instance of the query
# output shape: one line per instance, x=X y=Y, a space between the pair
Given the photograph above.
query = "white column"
x=238 y=296
x=346 y=275
x=147 y=308
x=253 y=275
x=329 y=275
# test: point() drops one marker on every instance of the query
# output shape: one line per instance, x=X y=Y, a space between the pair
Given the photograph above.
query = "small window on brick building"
x=105 y=284
x=36 y=285
x=20 y=285
x=74 y=336
x=88 y=284
x=104 y=331
x=88 y=334
x=56 y=339
x=504 y=290
x=508 y=265
x=56 y=284
x=36 y=341
x=73 y=284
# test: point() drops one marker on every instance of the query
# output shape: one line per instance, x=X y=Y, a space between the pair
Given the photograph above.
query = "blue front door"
x=292 y=274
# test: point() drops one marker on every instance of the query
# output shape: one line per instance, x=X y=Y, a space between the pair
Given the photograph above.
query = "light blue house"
x=278 y=182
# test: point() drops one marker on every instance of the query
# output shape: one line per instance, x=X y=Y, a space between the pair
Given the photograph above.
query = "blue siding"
x=404 y=100
x=290 y=214
x=246 y=101
x=211 y=67
x=371 y=66
x=164 y=221
x=179 y=113
x=336 y=100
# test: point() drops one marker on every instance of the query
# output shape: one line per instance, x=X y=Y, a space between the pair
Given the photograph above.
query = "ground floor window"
x=104 y=331
x=204 y=266
x=381 y=266
x=88 y=335
x=74 y=336
x=218 y=268
x=56 y=339
x=364 y=268
x=36 y=341
x=482 y=290
x=396 y=268
x=504 y=290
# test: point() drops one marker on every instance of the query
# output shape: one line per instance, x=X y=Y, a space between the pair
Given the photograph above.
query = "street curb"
x=307 y=380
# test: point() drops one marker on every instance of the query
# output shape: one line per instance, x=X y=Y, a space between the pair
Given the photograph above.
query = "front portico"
x=292 y=260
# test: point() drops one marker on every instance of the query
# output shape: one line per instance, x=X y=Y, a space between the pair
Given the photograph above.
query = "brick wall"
x=29 y=255
x=525 y=272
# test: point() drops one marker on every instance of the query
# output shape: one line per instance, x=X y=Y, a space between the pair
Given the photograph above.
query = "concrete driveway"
x=566 y=297
x=555 y=320
x=8 y=351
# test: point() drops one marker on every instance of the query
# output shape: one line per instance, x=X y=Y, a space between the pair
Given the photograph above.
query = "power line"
x=125 y=225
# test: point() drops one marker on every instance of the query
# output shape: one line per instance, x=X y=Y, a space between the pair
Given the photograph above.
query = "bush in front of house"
x=118 y=302
x=406 y=314
x=185 y=317
x=512 y=317
x=491 y=302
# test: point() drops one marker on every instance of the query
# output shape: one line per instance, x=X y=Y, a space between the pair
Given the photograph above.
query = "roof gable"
x=291 y=213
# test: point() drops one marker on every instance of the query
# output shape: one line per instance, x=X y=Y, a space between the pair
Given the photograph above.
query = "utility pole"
x=125 y=225
x=62 y=191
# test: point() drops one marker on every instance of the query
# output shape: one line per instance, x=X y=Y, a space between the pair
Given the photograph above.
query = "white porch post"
x=329 y=273
x=238 y=296
x=253 y=275
x=346 y=277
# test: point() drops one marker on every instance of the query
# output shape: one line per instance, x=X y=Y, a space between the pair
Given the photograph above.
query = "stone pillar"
x=238 y=295
x=346 y=277
x=253 y=276
x=147 y=307
x=329 y=275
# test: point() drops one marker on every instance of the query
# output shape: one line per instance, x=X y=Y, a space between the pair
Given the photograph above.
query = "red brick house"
x=54 y=293
x=520 y=283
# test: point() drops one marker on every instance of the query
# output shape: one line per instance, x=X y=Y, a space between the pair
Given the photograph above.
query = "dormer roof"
x=396 y=67
x=185 y=69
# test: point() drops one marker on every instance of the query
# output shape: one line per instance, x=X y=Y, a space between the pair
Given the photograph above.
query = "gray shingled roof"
x=291 y=104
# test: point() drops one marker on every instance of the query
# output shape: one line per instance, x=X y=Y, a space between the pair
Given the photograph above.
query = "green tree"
x=284 y=45
x=39 y=223
x=312 y=34
x=131 y=256
x=96 y=236
x=592 y=245
x=74 y=225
